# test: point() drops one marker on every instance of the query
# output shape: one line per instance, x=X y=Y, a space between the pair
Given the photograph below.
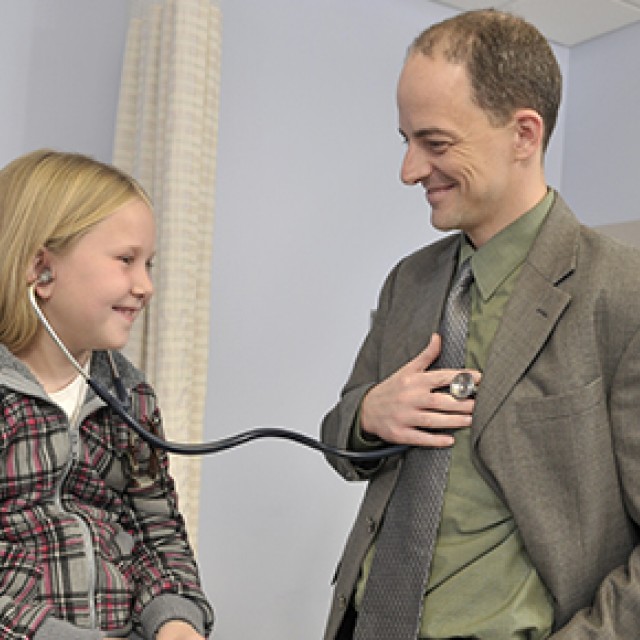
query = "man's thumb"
x=428 y=355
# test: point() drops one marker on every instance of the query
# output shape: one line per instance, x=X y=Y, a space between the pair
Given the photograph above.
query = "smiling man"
x=536 y=524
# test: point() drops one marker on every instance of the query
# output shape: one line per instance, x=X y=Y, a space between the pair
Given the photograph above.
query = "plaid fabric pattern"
x=133 y=545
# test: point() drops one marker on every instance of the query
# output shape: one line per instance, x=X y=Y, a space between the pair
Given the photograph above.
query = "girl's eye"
x=126 y=259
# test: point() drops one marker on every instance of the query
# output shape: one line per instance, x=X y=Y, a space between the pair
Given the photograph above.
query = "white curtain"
x=166 y=135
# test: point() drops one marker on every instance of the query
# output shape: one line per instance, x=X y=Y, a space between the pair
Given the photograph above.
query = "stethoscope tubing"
x=215 y=446
x=223 y=444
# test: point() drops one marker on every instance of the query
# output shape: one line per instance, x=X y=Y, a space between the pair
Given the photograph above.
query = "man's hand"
x=399 y=408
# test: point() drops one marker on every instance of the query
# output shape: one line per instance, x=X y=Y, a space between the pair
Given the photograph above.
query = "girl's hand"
x=178 y=630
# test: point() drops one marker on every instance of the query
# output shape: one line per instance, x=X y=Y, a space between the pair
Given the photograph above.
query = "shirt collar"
x=498 y=258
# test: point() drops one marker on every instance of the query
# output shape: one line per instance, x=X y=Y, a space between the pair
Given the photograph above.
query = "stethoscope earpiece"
x=45 y=277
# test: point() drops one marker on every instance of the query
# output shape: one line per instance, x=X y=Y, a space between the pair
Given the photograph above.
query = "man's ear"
x=529 y=134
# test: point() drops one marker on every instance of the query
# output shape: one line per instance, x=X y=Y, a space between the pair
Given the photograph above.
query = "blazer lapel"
x=531 y=314
x=430 y=298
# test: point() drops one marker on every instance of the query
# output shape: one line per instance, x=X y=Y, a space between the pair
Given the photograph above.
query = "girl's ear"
x=41 y=273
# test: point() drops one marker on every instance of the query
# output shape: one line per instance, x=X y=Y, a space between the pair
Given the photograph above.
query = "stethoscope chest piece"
x=462 y=386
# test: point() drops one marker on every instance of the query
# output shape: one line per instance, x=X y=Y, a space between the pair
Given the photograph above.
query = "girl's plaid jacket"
x=91 y=540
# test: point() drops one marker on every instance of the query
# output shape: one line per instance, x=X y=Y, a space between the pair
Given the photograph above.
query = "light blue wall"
x=310 y=216
x=601 y=172
x=60 y=64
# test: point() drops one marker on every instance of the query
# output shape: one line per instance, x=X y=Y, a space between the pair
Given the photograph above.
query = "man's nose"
x=415 y=166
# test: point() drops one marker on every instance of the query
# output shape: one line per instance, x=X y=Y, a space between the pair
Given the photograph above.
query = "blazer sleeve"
x=338 y=424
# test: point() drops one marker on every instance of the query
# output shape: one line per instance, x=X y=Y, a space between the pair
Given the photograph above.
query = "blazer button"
x=371 y=525
x=342 y=602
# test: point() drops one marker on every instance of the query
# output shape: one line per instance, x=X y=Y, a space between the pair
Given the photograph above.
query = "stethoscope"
x=121 y=403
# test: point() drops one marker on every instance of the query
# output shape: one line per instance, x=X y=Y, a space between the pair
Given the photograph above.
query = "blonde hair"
x=49 y=199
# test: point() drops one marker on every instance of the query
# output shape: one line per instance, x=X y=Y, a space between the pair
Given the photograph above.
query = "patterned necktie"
x=392 y=605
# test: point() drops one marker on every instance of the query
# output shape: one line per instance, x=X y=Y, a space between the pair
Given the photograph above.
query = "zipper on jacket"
x=75 y=444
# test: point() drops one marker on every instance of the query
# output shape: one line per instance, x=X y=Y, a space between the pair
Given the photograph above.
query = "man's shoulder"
x=564 y=238
x=443 y=249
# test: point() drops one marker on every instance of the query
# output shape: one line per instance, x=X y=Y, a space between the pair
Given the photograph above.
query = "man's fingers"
x=417 y=438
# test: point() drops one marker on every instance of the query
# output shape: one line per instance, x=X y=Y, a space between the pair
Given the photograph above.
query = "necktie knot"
x=462 y=281
x=453 y=327
x=465 y=275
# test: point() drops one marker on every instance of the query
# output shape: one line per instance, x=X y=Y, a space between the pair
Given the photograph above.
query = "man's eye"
x=126 y=259
x=439 y=146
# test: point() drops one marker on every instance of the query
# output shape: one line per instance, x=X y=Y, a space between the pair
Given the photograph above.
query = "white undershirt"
x=71 y=397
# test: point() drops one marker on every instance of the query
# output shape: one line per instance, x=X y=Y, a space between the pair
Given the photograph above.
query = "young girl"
x=92 y=544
